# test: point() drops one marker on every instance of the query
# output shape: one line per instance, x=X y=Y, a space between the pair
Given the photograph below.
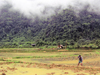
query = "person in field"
x=80 y=60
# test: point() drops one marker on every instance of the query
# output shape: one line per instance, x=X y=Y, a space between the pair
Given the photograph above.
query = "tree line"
x=79 y=30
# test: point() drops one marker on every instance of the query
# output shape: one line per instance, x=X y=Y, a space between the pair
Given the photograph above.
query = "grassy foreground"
x=35 y=61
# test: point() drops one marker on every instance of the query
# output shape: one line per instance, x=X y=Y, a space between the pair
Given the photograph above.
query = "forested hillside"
x=64 y=27
x=68 y=26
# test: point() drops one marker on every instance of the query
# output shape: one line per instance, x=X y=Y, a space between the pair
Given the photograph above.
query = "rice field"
x=29 y=61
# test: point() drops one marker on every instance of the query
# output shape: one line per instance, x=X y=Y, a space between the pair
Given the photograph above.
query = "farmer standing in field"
x=80 y=60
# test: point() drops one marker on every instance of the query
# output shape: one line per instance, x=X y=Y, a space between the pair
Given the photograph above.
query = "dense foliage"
x=64 y=27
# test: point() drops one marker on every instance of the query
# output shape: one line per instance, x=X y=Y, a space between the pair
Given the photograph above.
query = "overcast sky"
x=36 y=7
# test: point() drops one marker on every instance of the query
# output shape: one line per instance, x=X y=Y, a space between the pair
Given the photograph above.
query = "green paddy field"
x=35 y=61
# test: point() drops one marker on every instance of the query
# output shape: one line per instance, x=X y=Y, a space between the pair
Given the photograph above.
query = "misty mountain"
x=65 y=25
x=14 y=26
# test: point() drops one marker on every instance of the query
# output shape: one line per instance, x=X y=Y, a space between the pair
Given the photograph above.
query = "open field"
x=33 y=61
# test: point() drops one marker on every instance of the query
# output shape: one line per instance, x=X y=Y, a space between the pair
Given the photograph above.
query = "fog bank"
x=46 y=8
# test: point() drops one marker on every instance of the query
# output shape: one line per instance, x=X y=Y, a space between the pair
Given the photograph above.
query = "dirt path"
x=45 y=69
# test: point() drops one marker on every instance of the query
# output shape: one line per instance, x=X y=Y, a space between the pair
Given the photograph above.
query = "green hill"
x=80 y=29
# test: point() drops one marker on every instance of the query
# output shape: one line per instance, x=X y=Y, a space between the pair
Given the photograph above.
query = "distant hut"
x=33 y=45
x=60 y=46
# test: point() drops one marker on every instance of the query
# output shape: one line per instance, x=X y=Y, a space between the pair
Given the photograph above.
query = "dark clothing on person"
x=80 y=58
